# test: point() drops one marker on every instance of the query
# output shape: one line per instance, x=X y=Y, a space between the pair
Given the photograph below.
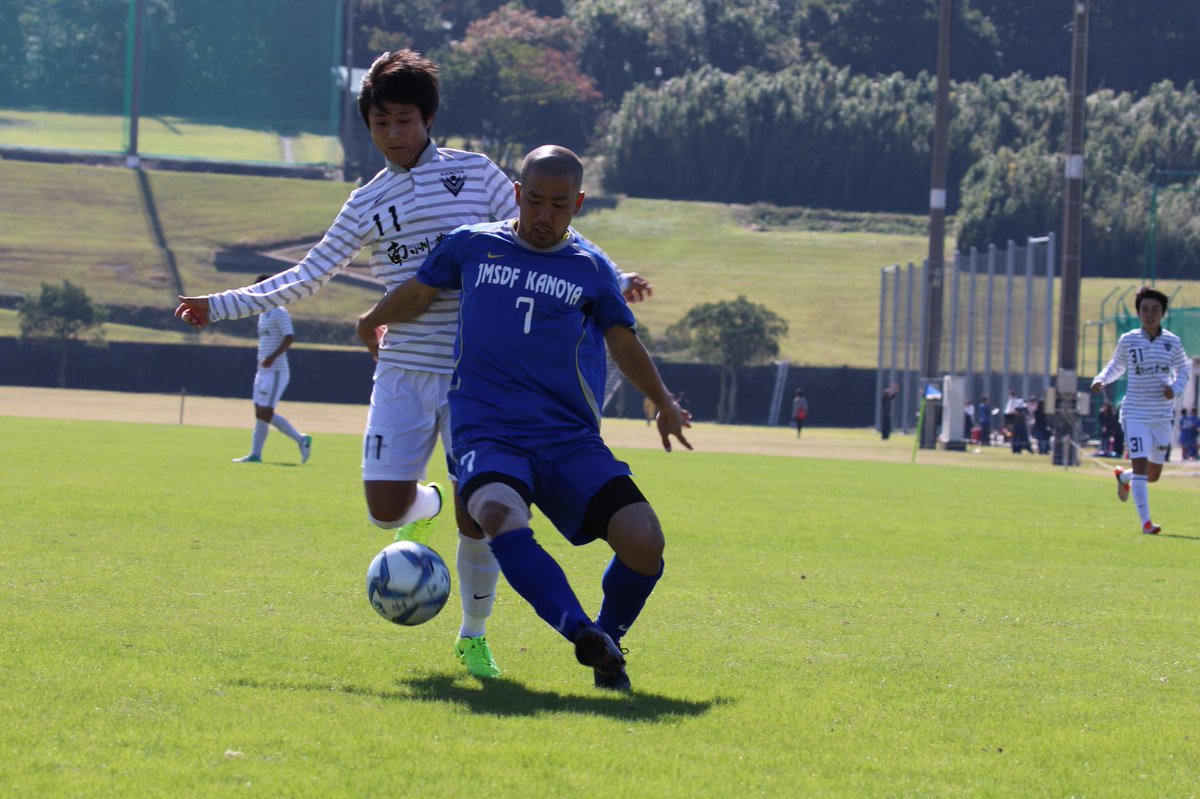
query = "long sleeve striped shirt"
x=400 y=215
x=1150 y=364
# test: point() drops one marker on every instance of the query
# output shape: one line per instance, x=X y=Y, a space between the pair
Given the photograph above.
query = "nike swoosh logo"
x=485 y=596
x=491 y=257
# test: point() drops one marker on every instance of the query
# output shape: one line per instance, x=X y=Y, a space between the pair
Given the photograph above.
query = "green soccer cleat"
x=248 y=459
x=419 y=531
x=476 y=656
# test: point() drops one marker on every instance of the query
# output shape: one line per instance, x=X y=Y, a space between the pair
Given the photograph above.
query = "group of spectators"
x=1024 y=422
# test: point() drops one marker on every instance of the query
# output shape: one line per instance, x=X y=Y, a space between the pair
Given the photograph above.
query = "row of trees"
x=821 y=103
x=820 y=136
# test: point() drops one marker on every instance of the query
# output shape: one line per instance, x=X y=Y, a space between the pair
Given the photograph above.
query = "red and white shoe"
x=1150 y=528
x=1122 y=487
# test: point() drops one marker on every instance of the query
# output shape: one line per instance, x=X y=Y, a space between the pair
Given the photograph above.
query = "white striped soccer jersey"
x=1150 y=365
x=401 y=214
x=273 y=326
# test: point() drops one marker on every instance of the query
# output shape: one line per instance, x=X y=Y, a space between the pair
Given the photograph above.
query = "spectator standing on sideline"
x=1108 y=430
x=524 y=403
x=1157 y=370
x=1019 y=427
x=885 y=410
x=1189 y=433
x=968 y=419
x=799 y=410
x=1041 y=425
x=984 y=415
x=275 y=337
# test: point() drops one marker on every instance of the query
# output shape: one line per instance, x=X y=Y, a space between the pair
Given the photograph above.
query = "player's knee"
x=498 y=508
x=637 y=538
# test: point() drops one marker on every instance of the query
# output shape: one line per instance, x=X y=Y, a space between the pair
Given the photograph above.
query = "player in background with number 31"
x=1157 y=371
x=525 y=403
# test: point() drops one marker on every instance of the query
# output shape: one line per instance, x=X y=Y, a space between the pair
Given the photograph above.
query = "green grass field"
x=176 y=625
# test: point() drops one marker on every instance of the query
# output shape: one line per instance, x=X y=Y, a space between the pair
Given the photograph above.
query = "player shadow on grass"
x=503 y=697
x=1181 y=537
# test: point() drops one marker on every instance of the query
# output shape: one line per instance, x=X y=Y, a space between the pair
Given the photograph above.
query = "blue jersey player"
x=525 y=403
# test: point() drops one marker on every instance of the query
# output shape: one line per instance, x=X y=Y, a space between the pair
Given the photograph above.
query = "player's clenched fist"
x=193 y=310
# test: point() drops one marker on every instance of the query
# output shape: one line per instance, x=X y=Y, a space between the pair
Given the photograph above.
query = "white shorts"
x=1148 y=439
x=408 y=413
x=269 y=385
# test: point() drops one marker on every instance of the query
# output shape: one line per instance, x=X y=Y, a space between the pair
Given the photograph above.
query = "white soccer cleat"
x=305 y=449
x=1122 y=487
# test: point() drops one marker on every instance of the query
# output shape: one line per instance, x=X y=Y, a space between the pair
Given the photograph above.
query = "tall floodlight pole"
x=133 y=81
x=935 y=271
x=1066 y=419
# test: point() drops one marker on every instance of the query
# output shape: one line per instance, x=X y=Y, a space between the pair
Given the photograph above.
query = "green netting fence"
x=219 y=79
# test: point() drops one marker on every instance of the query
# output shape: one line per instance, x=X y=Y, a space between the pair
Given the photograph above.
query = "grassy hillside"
x=90 y=225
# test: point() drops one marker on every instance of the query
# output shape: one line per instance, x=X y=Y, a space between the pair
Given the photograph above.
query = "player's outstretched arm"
x=193 y=310
x=407 y=301
x=635 y=363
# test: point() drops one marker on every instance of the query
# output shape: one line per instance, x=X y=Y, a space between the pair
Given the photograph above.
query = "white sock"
x=478 y=573
x=285 y=427
x=259 y=437
x=425 y=505
x=1141 y=496
x=1126 y=476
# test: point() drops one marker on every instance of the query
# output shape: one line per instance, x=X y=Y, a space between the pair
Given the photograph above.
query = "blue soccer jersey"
x=526 y=358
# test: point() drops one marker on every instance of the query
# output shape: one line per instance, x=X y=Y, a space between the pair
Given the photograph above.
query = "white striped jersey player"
x=1150 y=365
x=400 y=214
x=273 y=327
x=1157 y=371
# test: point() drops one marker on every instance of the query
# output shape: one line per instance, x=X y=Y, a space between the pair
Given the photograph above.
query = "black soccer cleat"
x=616 y=681
x=594 y=648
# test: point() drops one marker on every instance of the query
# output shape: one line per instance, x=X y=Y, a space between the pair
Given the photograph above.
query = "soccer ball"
x=408 y=583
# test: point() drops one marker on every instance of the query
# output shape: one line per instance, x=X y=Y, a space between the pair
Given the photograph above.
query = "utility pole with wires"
x=936 y=265
x=1066 y=417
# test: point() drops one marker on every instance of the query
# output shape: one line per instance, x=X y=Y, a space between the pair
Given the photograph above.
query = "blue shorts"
x=560 y=477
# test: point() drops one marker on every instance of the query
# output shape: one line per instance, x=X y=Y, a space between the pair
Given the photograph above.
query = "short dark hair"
x=555 y=160
x=404 y=76
x=261 y=278
x=1147 y=293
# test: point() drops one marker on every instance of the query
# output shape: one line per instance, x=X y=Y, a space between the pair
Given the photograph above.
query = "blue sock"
x=625 y=594
x=538 y=578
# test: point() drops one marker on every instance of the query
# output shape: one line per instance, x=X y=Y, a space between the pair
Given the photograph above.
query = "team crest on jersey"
x=454 y=181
